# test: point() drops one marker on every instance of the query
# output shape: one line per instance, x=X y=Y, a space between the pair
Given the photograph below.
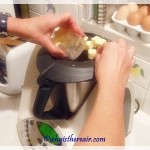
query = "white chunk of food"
x=97 y=41
x=85 y=38
x=89 y=45
x=91 y=53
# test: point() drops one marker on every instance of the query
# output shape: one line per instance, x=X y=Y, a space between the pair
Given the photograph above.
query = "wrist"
x=14 y=26
x=112 y=84
x=3 y=24
x=116 y=91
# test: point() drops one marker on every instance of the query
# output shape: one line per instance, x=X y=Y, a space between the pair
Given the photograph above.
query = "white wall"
x=7 y=8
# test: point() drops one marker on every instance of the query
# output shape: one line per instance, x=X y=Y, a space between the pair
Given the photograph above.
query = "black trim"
x=17 y=9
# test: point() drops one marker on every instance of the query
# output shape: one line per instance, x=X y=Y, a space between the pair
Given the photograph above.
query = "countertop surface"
x=9 y=106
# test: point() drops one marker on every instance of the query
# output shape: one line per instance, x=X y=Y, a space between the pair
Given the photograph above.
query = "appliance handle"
x=42 y=97
x=60 y=110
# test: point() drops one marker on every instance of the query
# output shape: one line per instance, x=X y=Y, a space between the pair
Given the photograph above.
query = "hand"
x=113 y=63
x=39 y=29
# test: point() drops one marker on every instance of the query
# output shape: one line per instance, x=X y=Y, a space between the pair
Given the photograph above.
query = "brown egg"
x=145 y=23
x=122 y=13
x=135 y=18
x=133 y=7
x=144 y=10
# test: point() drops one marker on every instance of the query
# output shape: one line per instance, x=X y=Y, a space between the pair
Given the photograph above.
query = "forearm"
x=23 y=28
x=106 y=118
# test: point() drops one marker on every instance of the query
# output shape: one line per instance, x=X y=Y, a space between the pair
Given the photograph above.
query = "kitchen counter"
x=9 y=106
x=140 y=135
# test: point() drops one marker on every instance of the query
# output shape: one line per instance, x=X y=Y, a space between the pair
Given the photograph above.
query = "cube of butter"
x=85 y=38
x=91 y=53
x=97 y=41
x=89 y=45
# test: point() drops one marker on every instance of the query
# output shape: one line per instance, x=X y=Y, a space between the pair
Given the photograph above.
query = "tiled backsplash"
x=36 y=8
x=72 y=8
x=55 y=8
x=140 y=94
x=140 y=74
x=33 y=13
x=146 y=104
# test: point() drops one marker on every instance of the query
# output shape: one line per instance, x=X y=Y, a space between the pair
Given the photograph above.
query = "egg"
x=145 y=23
x=135 y=18
x=133 y=7
x=122 y=13
x=144 y=10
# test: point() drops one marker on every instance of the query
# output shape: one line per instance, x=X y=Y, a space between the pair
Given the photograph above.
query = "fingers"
x=133 y=62
x=131 y=51
x=79 y=31
x=52 y=49
x=122 y=43
x=108 y=46
x=67 y=21
x=98 y=56
x=100 y=49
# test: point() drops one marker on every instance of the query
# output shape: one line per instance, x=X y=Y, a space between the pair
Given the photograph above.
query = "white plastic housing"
x=16 y=64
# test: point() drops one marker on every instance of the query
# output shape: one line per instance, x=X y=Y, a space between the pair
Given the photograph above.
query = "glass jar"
x=70 y=42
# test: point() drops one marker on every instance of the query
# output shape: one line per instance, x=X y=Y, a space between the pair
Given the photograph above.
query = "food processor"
x=57 y=98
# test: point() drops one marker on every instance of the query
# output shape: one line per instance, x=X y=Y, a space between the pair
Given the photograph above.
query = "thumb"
x=100 y=49
x=97 y=59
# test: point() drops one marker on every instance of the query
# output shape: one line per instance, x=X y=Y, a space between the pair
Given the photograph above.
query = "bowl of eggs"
x=133 y=19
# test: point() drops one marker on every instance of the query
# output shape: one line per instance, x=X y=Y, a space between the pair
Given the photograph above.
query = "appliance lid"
x=64 y=71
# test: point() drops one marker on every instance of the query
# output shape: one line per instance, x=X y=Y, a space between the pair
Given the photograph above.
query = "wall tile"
x=142 y=50
x=140 y=73
x=33 y=14
x=146 y=105
x=71 y=8
x=139 y=94
x=149 y=86
x=36 y=8
x=50 y=8
x=91 y=27
x=80 y=13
